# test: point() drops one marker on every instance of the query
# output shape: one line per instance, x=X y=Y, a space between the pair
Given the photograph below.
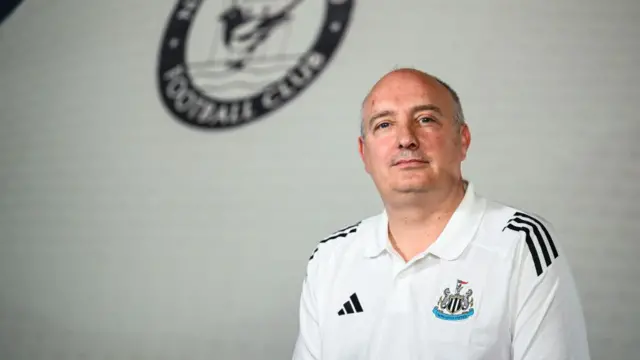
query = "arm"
x=307 y=346
x=548 y=322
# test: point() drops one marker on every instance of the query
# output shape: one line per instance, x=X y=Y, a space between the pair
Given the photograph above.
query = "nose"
x=406 y=137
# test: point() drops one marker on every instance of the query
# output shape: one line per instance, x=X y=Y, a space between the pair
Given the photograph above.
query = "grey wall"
x=126 y=235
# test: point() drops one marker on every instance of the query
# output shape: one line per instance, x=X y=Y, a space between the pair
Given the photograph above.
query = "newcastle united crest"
x=458 y=306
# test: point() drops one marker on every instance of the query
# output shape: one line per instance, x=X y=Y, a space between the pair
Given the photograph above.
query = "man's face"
x=411 y=142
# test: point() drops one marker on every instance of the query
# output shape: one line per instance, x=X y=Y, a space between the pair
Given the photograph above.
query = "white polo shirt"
x=495 y=285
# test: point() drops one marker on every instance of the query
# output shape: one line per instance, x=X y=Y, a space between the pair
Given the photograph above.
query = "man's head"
x=414 y=136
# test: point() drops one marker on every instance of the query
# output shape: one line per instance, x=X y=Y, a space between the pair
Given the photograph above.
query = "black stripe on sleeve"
x=346 y=228
x=530 y=245
x=538 y=237
x=338 y=234
x=534 y=228
x=544 y=229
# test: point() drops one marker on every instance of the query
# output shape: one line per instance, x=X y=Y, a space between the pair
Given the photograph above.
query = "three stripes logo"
x=338 y=234
x=352 y=306
x=537 y=237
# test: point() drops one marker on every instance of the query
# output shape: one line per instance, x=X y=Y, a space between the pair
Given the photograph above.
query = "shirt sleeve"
x=307 y=346
x=548 y=321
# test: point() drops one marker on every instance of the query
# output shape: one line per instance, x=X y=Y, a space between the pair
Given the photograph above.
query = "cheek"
x=440 y=147
x=433 y=142
x=378 y=155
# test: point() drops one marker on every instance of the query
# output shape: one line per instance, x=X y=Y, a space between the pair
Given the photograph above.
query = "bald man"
x=441 y=272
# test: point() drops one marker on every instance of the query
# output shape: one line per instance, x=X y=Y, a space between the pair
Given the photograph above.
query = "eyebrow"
x=425 y=107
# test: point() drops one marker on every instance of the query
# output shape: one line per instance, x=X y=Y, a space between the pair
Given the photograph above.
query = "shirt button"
x=402 y=275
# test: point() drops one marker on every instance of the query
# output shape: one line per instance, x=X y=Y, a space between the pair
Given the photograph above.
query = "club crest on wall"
x=226 y=63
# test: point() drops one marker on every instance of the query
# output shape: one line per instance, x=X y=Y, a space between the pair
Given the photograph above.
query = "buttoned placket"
x=402 y=279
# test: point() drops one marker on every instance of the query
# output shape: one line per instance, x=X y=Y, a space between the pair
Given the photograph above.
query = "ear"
x=465 y=140
x=361 y=147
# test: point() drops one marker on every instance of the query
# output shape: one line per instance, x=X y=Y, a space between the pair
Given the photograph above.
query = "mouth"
x=410 y=162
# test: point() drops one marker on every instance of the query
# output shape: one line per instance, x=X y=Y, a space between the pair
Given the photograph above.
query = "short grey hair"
x=458 y=114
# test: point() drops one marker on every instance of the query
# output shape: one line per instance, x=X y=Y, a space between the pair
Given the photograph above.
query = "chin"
x=413 y=187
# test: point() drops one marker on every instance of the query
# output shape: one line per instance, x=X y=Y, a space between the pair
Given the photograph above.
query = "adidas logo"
x=351 y=306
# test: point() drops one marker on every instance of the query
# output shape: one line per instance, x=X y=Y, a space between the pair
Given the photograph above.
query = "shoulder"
x=508 y=217
x=531 y=236
x=348 y=239
x=335 y=240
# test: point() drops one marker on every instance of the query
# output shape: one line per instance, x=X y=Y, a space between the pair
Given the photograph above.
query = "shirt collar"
x=455 y=237
x=379 y=238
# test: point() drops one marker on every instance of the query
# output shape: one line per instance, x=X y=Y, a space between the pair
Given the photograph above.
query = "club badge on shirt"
x=458 y=306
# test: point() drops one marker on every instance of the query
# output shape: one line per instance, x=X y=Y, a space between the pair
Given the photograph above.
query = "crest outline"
x=457 y=306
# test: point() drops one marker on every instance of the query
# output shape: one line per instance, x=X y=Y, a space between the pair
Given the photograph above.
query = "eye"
x=382 y=125
x=426 y=119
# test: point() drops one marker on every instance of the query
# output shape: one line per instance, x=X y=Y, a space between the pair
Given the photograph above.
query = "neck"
x=416 y=223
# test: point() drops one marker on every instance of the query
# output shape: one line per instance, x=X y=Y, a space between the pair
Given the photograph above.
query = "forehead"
x=403 y=90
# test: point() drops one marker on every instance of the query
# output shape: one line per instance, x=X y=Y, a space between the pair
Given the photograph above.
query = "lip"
x=410 y=162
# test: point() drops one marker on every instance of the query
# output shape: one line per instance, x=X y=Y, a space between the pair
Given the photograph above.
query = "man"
x=441 y=273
